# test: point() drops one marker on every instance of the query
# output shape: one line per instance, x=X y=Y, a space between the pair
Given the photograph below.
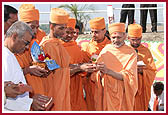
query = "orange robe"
x=25 y=60
x=112 y=94
x=92 y=48
x=57 y=83
x=145 y=81
x=78 y=102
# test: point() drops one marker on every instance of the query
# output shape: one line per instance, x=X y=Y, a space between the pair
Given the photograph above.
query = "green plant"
x=77 y=11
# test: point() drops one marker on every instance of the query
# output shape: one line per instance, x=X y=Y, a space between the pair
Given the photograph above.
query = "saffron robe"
x=57 y=83
x=25 y=60
x=145 y=81
x=78 y=102
x=92 y=48
x=112 y=94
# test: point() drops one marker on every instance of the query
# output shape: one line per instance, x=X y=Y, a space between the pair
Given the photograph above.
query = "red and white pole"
x=110 y=14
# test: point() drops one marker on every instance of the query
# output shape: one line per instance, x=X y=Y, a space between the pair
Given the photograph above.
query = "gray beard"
x=118 y=46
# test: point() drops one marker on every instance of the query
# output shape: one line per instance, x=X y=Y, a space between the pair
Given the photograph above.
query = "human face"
x=158 y=92
x=59 y=31
x=13 y=18
x=21 y=44
x=135 y=42
x=34 y=26
x=76 y=33
x=98 y=35
x=117 y=39
x=69 y=36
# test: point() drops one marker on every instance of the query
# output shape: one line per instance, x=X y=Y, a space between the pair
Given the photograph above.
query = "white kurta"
x=160 y=100
x=13 y=72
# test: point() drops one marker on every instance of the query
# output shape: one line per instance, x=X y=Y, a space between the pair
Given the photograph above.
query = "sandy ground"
x=148 y=36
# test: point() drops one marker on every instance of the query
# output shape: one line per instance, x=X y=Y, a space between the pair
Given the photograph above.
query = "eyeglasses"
x=26 y=42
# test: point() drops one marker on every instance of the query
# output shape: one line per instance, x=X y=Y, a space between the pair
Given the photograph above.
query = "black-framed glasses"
x=26 y=42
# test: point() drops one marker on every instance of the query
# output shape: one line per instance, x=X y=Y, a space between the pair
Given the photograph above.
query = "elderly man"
x=10 y=16
x=146 y=68
x=58 y=82
x=17 y=39
x=116 y=80
x=93 y=48
x=33 y=73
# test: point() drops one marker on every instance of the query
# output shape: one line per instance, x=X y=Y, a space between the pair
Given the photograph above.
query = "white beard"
x=118 y=46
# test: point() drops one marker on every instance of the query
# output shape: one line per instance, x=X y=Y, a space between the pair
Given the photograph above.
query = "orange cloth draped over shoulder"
x=57 y=83
x=145 y=81
x=92 y=48
x=78 y=102
x=116 y=95
x=25 y=59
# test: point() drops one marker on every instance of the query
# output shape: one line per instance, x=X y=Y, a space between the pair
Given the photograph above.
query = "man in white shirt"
x=17 y=39
x=157 y=92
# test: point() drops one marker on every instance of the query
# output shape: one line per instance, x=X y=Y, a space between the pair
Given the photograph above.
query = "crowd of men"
x=100 y=75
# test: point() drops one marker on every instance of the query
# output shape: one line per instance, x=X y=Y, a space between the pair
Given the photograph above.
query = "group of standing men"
x=101 y=75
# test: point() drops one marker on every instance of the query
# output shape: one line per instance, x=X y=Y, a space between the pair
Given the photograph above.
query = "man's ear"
x=14 y=36
x=125 y=36
x=52 y=26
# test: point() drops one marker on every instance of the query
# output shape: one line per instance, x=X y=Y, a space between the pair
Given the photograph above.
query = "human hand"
x=11 y=89
x=41 y=102
x=102 y=67
x=88 y=67
x=37 y=71
x=24 y=88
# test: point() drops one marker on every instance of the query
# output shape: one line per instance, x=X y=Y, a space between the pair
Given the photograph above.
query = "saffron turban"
x=97 y=23
x=135 y=30
x=71 y=22
x=59 y=16
x=28 y=13
x=116 y=27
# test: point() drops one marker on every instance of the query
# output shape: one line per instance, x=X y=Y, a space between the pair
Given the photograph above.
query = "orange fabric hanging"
x=57 y=84
x=25 y=60
x=78 y=102
x=112 y=94
x=92 y=48
x=145 y=81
